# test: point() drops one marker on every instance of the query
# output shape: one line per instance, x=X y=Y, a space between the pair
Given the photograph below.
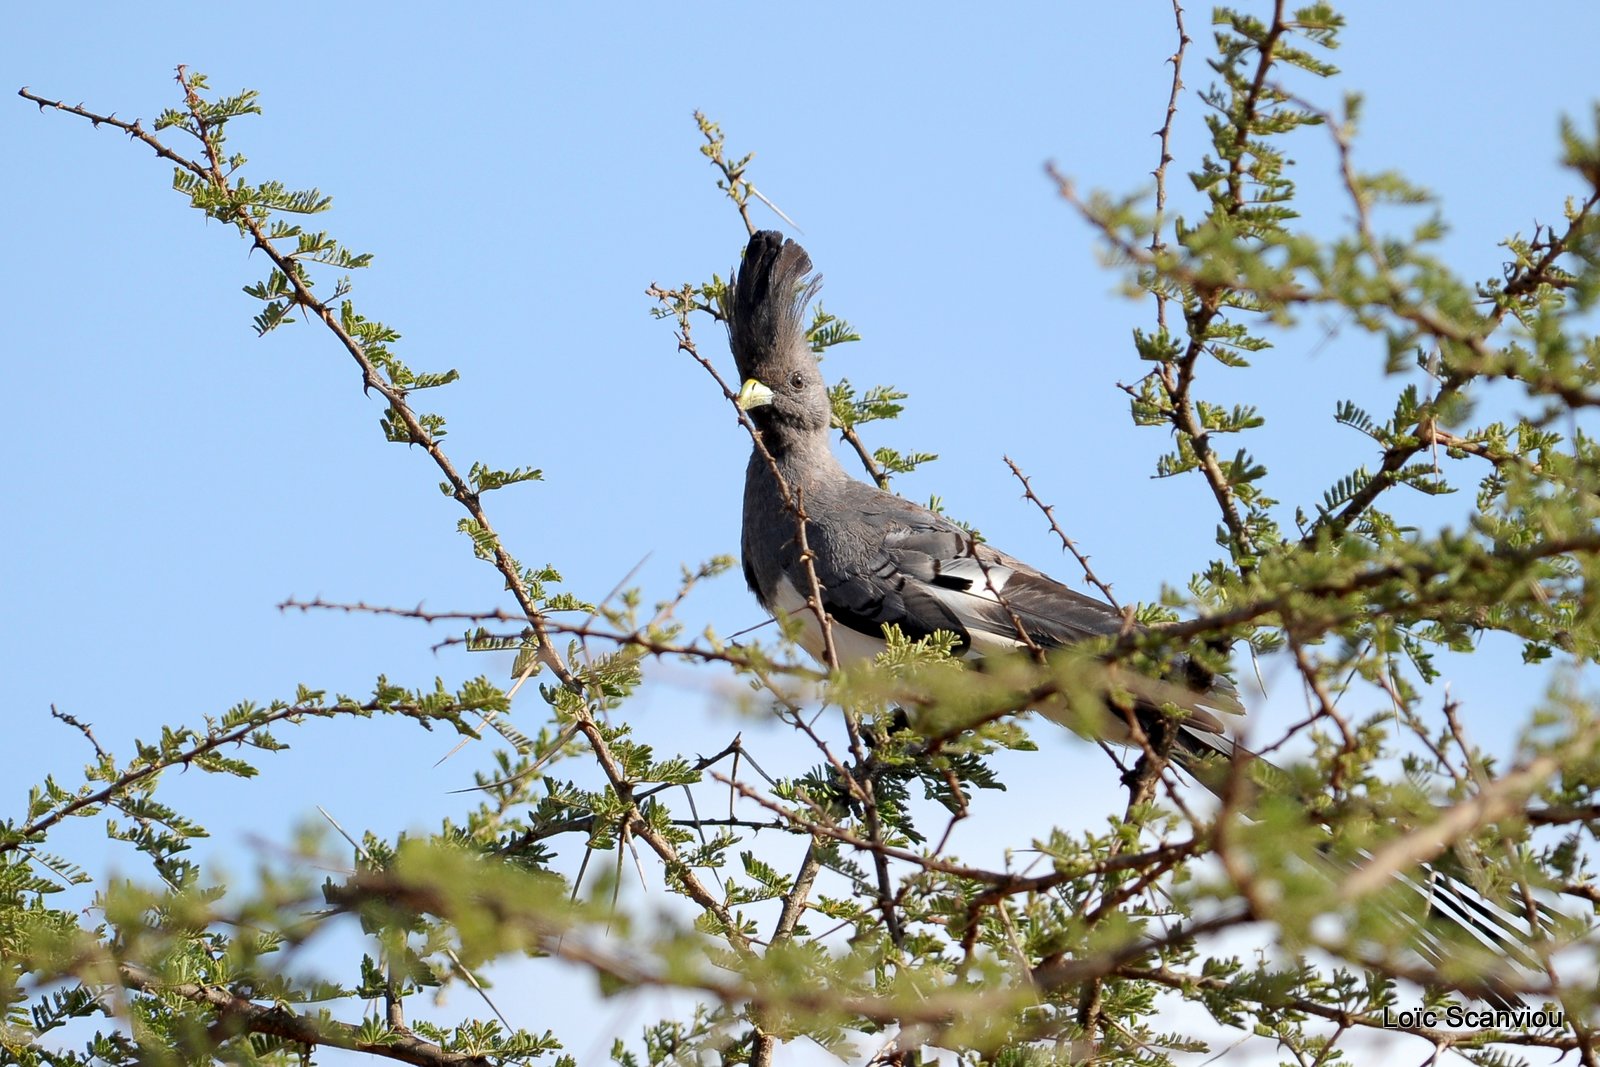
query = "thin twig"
x=81 y=727
x=1157 y=245
x=1066 y=542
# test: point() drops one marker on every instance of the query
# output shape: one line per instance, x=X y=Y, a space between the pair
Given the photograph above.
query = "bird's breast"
x=851 y=646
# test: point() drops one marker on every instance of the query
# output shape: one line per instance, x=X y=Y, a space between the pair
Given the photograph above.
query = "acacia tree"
x=871 y=933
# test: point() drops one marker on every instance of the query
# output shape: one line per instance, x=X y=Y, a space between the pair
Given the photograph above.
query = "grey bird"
x=880 y=560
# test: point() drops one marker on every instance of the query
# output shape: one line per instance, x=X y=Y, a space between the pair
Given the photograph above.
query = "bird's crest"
x=766 y=316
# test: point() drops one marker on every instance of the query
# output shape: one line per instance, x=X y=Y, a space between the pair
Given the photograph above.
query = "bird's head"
x=782 y=385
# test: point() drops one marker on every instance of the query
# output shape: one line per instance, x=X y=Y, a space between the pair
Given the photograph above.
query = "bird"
x=881 y=560
x=877 y=560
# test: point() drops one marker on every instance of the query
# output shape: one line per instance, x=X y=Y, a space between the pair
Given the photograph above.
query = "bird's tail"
x=766 y=310
x=1456 y=912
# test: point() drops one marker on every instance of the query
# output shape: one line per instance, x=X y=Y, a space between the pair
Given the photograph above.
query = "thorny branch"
x=211 y=169
x=194 y=753
x=1176 y=376
x=237 y=1014
x=1451 y=379
x=878 y=475
x=1178 y=379
x=1157 y=245
x=1049 y=511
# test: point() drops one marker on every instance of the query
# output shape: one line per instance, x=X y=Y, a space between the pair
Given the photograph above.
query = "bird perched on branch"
x=880 y=560
x=811 y=531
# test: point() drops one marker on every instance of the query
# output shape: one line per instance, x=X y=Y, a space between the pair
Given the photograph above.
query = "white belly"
x=852 y=646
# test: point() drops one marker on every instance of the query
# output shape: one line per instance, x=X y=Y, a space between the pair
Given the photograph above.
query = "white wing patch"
x=986 y=583
x=853 y=646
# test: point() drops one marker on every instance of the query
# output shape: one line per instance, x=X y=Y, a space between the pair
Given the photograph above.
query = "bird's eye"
x=797 y=379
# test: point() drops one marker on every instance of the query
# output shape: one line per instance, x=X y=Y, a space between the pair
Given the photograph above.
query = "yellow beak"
x=752 y=394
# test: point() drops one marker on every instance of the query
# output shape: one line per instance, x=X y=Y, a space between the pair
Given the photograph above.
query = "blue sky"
x=522 y=174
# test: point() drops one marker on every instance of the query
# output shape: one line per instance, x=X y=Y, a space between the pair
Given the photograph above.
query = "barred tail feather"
x=1452 y=904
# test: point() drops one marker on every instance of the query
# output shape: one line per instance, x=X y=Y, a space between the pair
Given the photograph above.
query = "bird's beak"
x=752 y=394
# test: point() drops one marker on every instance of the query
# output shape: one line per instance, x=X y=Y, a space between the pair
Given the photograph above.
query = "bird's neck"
x=804 y=461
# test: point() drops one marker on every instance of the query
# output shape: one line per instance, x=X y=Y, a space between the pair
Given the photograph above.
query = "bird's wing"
x=894 y=563
x=884 y=560
x=870 y=582
x=1000 y=603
